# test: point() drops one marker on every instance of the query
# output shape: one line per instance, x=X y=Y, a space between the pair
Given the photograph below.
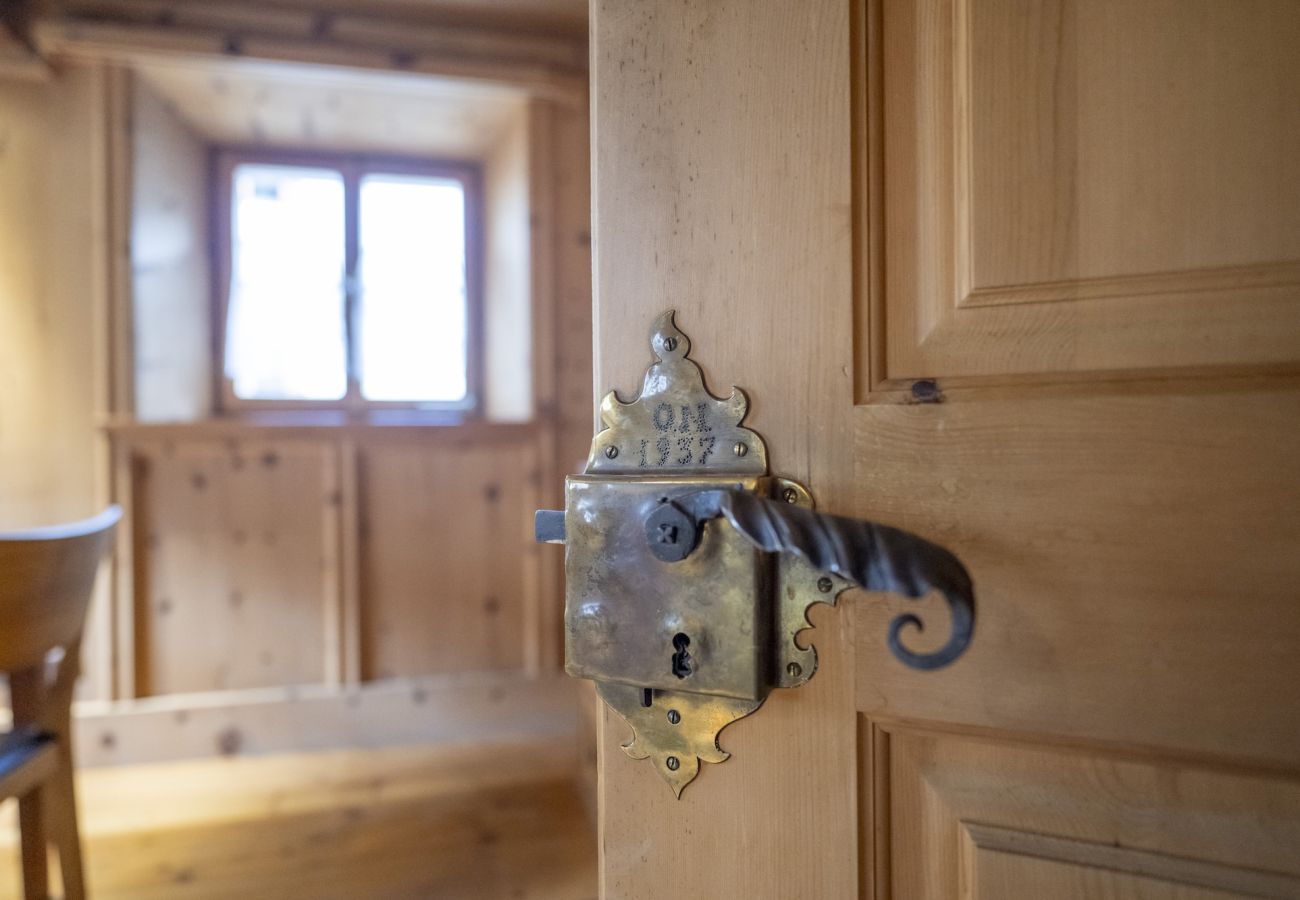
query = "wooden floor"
x=463 y=823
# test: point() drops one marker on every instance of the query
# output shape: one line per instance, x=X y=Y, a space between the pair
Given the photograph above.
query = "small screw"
x=741 y=448
x=611 y=452
x=674 y=717
x=670 y=344
x=794 y=670
x=824 y=585
x=672 y=763
x=790 y=495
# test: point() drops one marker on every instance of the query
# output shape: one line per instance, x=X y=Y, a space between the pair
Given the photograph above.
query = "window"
x=349 y=283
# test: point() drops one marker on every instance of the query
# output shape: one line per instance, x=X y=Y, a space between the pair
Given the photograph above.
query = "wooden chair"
x=46 y=578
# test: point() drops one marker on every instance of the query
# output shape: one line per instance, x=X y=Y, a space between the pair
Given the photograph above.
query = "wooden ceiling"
x=535 y=44
x=246 y=103
x=567 y=16
x=539 y=17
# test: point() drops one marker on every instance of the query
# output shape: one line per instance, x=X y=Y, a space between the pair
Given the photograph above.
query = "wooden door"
x=1080 y=219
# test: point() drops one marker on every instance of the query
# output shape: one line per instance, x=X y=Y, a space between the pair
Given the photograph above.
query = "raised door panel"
x=985 y=818
x=1133 y=557
x=1073 y=187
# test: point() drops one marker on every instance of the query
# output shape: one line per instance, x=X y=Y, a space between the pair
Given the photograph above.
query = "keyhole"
x=681 y=659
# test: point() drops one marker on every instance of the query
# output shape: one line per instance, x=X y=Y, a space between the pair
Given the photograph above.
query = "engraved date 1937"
x=684 y=438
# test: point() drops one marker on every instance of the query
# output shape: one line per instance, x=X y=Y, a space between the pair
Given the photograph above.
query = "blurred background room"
x=304 y=287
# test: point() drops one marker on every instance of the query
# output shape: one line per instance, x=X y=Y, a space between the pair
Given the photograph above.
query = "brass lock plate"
x=690 y=570
x=680 y=647
x=698 y=623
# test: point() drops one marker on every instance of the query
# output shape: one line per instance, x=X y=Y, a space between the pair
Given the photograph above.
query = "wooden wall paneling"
x=49 y=229
x=110 y=134
x=118 y=171
x=450 y=513
x=55 y=193
x=333 y=575
x=347 y=502
x=508 y=312
x=229 y=593
x=127 y=556
x=539 y=580
x=440 y=709
x=542 y=177
x=116 y=630
x=993 y=818
x=443 y=542
x=170 y=279
x=707 y=118
x=543 y=208
x=1012 y=158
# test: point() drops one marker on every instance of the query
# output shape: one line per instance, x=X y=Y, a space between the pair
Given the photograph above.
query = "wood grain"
x=232 y=563
x=707 y=117
x=438 y=709
x=1082 y=824
x=545 y=64
x=1133 y=559
x=305 y=108
x=171 y=269
x=445 y=539
x=507 y=301
x=47 y=355
x=1076 y=188
x=1120 y=727
x=471 y=821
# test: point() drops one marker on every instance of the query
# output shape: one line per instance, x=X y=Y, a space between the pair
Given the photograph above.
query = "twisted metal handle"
x=874 y=557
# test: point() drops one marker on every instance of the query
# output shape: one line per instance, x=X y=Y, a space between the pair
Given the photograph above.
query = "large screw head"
x=672 y=532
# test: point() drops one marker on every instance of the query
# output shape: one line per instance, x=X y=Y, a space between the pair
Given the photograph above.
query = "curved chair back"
x=46 y=577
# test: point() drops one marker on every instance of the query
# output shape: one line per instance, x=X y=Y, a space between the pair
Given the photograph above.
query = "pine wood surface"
x=462 y=822
x=705 y=202
x=1073 y=222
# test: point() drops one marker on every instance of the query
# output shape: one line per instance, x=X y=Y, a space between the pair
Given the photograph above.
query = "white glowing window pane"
x=285 y=338
x=413 y=317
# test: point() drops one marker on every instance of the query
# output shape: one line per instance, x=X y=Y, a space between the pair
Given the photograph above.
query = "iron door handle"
x=872 y=556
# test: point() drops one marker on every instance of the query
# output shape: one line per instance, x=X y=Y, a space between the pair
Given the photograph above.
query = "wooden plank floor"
x=463 y=823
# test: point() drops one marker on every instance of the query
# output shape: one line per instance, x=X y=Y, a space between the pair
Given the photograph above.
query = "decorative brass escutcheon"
x=689 y=569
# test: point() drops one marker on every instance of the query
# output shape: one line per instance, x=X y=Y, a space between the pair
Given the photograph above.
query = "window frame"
x=352 y=167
